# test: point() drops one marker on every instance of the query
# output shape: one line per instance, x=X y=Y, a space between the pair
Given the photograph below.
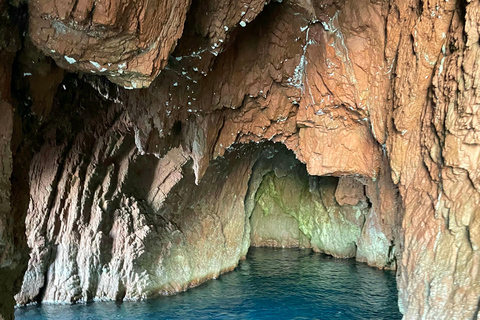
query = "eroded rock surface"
x=14 y=191
x=127 y=41
x=381 y=95
x=121 y=225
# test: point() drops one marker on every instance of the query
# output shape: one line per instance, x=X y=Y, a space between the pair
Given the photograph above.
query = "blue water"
x=270 y=284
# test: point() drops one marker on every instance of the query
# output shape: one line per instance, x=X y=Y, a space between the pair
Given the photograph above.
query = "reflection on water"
x=270 y=284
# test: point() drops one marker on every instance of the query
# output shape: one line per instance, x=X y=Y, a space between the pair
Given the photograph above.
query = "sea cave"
x=153 y=150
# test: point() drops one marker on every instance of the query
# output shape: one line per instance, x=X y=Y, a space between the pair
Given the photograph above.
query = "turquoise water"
x=270 y=284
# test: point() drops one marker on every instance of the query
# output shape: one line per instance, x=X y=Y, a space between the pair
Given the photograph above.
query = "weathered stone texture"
x=13 y=249
x=128 y=41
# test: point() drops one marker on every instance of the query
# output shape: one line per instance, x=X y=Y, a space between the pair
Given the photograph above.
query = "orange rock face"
x=127 y=41
x=381 y=94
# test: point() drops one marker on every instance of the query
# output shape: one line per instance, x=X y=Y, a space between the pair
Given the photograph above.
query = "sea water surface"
x=269 y=284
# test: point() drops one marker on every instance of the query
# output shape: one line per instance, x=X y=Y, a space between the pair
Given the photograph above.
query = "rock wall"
x=14 y=163
x=380 y=94
x=120 y=225
x=431 y=147
x=137 y=229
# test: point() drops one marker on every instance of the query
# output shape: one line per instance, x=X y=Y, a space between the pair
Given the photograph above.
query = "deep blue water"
x=270 y=284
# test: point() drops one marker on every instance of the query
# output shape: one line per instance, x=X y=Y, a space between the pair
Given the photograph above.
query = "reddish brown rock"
x=437 y=261
x=113 y=216
x=349 y=191
x=125 y=41
x=13 y=192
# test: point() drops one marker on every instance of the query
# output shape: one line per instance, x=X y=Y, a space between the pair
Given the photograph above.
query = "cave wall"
x=430 y=135
x=382 y=91
x=121 y=225
x=135 y=241
x=13 y=163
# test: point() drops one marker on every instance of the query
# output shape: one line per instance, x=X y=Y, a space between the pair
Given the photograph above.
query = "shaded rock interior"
x=293 y=209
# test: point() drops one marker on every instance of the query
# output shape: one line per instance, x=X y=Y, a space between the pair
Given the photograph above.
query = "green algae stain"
x=328 y=227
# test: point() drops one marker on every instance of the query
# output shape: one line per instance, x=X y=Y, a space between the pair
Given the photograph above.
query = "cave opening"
x=288 y=208
x=293 y=209
x=122 y=173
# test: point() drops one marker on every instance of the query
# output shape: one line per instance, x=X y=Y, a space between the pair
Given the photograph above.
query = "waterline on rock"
x=269 y=284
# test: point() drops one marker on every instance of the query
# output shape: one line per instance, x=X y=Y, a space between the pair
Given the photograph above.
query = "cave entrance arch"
x=287 y=207
x=154 y=223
